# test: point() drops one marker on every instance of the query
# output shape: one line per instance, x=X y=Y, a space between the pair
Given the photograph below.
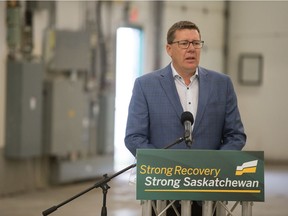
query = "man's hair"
x=179 y=26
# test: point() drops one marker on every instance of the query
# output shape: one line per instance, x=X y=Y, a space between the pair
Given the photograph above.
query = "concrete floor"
x=121 y=198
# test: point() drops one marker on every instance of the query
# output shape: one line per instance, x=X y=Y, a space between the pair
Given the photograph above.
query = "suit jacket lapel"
x=168 y=84
x=204 y=92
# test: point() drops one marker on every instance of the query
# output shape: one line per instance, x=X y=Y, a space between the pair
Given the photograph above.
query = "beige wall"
x=263 y=29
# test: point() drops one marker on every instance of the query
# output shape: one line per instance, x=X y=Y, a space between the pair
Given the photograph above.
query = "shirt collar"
x=176 y=74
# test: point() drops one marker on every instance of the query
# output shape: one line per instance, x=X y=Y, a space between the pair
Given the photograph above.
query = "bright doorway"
x=129 y=61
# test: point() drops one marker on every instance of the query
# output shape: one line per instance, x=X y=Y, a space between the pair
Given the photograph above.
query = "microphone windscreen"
x=187 y=116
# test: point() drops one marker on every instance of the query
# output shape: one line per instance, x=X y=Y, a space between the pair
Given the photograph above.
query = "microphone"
x=187 y=120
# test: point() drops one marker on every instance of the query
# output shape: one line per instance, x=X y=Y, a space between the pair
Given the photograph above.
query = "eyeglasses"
x=184 y=44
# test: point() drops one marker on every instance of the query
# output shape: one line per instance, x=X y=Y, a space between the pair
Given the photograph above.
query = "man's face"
x=185 y=61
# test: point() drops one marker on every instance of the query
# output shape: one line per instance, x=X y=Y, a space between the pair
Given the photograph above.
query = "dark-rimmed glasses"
x=184 y=44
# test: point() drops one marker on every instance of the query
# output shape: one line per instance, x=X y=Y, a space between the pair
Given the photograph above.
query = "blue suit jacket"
x=155 y=111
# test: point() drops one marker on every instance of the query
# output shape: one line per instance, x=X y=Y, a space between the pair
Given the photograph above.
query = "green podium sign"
x=169 y=174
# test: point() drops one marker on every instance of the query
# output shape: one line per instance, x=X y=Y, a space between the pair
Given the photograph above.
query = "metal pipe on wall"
x=226 y=36
x=13 y=23
x=158 y=16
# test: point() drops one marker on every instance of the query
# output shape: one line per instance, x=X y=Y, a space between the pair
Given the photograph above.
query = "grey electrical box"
x=65 y=110
x=71 y=51
x=24 y=109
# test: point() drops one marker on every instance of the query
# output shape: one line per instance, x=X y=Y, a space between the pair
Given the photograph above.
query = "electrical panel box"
x=70 y=50
x=65 y=111
x=24 y=109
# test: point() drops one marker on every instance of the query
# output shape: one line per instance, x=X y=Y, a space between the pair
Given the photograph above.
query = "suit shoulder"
x=213 y=73
x=153 y=75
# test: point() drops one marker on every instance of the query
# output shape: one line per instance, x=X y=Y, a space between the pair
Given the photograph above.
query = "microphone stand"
x=179 y=140
x=103 y=185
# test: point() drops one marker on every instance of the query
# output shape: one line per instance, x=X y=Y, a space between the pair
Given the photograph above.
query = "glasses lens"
x=197 y=44
x=183 y=44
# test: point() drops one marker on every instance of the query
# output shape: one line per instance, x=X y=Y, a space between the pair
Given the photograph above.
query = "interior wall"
x=261 y=27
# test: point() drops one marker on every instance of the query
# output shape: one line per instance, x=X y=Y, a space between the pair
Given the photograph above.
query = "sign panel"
x=170 y=174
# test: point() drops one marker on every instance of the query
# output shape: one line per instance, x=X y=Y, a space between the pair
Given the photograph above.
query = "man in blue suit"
x=159 y=98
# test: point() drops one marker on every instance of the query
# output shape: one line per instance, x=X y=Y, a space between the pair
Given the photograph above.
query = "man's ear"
x=168 y=49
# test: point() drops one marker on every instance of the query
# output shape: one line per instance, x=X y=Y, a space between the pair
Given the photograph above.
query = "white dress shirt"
x=188 y=94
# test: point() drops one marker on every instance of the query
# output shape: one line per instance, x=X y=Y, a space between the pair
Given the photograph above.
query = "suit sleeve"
x=137 y=128
x=234 y=137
